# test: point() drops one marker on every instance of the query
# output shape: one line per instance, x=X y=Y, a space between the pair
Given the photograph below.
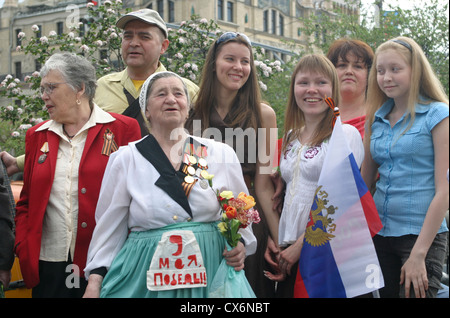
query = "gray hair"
x=76 y=70
x=148 y=85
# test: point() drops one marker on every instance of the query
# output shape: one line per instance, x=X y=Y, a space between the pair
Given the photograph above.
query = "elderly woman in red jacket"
x=65 y=161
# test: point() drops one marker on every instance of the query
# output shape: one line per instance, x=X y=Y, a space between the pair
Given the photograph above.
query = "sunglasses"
x=232 y=35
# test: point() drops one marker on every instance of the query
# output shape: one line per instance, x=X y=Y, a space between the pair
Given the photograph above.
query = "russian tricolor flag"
x=338 y=259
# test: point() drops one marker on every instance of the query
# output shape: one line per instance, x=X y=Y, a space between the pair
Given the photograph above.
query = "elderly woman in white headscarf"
x=157 y=216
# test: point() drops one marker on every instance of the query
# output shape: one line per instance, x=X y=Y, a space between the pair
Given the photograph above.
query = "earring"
x=78 y=102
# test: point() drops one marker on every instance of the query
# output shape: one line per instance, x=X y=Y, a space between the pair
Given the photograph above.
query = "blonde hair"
x=425 y=87
x=294 y=117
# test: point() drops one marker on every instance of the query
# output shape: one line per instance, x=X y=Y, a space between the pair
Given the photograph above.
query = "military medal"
x=189 y=179
x=44 y=149
x=191 y=170
x=202 y=163
x=194 y=167
x=192 y=160
x=204 y=184
x=204 y=174
x=42 y=158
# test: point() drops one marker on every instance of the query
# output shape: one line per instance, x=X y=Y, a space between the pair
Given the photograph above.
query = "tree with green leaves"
x=427 y=25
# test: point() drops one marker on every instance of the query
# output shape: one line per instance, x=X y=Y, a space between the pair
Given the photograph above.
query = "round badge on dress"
x=191 y=170
x=192 y=160
x=204 y=174
x=202 y=162
x=42 y=158
x=189 y=179
x=204 y=184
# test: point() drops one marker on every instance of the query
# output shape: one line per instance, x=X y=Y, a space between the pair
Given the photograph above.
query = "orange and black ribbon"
x=109 y=144
x=187 y=187
x=330 y=102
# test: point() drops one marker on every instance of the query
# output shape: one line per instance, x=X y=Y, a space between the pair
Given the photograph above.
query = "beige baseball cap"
x=146 y=15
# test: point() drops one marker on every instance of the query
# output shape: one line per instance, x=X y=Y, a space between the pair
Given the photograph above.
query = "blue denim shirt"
x=406 y=166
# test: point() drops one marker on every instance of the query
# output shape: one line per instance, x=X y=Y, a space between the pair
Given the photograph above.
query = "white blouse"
x=130 y=200
x=300 y=167
x=59 y=227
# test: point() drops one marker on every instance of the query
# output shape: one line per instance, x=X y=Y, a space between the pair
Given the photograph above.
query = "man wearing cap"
x=144 y=41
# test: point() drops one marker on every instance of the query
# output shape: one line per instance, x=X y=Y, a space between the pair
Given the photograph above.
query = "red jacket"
x=38 y=180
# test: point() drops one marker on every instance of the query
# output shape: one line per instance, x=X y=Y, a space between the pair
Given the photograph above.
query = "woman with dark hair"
x=353 y=60
x=229 y=108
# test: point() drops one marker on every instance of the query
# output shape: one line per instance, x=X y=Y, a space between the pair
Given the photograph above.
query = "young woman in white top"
x=308 y=127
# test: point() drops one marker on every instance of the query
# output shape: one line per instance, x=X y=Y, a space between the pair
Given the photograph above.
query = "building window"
x=104 y=54
x=18 y=67
x=59 y=28
x=230 y=11
x=82 y=29
x=37 y=65
x=160 y=5
x=39 y=32
x=281 y=24
x=274 y=22
x=19 y=40
x=220 y=9
x=171 y=11
x=273 y=19
x=266 y=21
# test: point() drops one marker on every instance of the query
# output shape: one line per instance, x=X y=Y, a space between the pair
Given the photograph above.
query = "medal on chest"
x=44 y=150
x=194 y=165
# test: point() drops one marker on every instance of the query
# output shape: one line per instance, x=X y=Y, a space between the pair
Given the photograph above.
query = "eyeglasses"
x=231 y=35
x=49 y=87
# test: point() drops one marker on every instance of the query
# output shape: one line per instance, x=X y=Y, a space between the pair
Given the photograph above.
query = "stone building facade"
x=269 y=23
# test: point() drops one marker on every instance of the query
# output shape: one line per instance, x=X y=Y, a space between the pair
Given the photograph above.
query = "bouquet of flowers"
x=236 y=213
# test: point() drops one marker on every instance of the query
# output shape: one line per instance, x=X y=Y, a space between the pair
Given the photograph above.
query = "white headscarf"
x=152 y=79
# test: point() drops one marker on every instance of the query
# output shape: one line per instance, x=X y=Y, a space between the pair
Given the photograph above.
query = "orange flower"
x=231 y=212
x=248 y=199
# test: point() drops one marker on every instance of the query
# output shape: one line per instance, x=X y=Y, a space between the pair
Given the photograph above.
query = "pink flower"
x=311 y=152
x=253 y=216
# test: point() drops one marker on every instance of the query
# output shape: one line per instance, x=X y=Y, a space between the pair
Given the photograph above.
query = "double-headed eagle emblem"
x=320 y=225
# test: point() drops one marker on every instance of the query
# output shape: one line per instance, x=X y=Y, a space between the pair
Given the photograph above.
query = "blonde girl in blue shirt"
x=407 y=144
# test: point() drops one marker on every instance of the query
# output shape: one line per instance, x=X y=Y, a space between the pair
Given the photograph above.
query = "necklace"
x=65 y=133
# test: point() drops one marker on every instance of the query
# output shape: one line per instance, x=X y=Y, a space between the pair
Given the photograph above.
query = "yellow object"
x=16 y=274
x=16 y=279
